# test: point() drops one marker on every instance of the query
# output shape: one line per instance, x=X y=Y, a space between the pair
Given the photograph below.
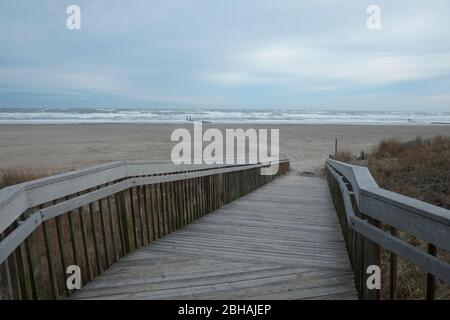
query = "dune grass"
x=10 y=177
x=420 y=169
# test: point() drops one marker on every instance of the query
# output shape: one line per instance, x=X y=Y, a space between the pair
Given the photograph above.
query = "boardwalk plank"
x=282 y=241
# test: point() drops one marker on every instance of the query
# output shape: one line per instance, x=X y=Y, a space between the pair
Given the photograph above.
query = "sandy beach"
x=56 y=148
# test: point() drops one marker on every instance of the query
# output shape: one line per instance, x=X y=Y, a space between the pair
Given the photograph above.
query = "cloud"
x=280 y=64
x=211 y=53
x=69 y=79
x=232 y=78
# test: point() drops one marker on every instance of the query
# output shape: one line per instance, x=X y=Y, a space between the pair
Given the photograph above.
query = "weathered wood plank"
x=277 y=242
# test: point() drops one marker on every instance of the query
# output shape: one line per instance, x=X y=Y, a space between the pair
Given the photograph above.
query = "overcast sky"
x=238 y=54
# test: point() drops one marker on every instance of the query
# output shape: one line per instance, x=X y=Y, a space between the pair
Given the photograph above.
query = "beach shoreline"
x=62 y=147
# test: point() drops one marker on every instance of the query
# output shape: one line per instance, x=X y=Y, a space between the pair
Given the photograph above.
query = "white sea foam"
x=106 y=115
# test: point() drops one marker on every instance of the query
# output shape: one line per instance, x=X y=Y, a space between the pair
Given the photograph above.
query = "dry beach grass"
x=419 y=168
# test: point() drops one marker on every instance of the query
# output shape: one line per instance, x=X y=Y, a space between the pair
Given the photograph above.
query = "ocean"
x=106 y=115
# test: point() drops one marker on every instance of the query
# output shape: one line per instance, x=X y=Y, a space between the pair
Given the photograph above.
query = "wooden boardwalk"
x=282 y=241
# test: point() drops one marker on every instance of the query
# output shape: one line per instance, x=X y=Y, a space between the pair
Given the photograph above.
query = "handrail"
x=93 y=217
x=365 y=185
x=16 y=199
x=425 y=221
x=172 y=173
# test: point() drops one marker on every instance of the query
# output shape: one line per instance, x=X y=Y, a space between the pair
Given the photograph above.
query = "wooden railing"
x=371 y=217
x=93 y=217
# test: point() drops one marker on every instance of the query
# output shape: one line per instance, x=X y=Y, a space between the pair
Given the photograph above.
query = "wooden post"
x=335 y=147
x=134 y=227
x=393 y=271
x=157 y=201
x=95 y=239
x=84 y=244
x=49 y=261
x=431 y=282
x=113 y=229
x=147 y=214
x=371 y=255
x=122 y=208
